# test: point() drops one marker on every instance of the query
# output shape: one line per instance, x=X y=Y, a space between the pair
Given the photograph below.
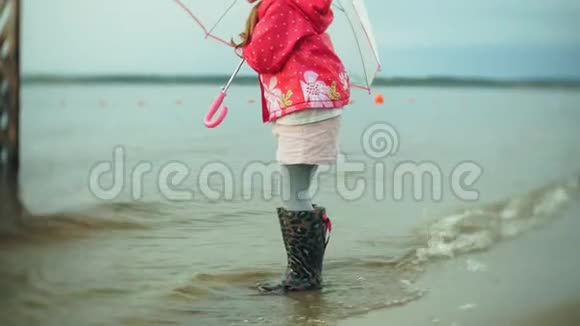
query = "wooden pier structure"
x=10 y=205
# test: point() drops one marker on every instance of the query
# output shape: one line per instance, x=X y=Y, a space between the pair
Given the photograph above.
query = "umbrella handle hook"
x=213 y=109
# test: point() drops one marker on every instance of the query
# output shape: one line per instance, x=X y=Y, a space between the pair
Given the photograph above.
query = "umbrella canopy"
x=351 y=32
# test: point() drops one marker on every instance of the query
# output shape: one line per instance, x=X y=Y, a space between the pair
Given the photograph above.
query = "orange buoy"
x=379 y=99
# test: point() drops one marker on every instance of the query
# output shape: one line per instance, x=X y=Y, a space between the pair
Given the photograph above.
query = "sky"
x=416 y=38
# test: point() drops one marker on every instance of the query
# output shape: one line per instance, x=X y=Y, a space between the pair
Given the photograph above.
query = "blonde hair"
x=251 y=23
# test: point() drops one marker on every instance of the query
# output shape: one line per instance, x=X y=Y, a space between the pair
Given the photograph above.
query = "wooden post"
x=10 y=206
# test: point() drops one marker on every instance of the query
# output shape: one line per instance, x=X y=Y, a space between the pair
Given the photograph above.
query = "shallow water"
x=153 y=256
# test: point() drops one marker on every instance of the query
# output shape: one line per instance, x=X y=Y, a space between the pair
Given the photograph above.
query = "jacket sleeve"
x=275 y=36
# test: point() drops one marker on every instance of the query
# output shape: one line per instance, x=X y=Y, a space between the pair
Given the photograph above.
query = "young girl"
x=304 y=86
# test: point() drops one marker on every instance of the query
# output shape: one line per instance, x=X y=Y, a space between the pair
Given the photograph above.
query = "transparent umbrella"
x=351 y=33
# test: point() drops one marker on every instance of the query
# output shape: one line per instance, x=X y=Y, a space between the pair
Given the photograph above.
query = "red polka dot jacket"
x=295 y=59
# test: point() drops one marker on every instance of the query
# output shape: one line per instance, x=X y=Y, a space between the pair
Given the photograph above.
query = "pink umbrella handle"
x=213 y=110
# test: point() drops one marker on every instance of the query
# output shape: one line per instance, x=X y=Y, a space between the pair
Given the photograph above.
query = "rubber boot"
x=305 y=235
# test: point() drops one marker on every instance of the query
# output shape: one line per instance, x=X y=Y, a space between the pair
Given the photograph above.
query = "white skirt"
x=312 y=143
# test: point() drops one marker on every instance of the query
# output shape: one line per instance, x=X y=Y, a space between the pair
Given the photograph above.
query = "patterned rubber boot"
x=305 y=236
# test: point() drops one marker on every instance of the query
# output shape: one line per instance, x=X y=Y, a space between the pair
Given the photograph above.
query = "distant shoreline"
x=439 y=81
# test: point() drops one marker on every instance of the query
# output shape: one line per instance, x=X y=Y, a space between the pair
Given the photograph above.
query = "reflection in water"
x=27 y=229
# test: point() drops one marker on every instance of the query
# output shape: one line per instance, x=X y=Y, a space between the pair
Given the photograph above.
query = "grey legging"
x=296 y=186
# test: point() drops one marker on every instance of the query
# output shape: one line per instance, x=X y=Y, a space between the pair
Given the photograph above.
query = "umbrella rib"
x=222 y=17
x=205 y=31
x=184 y=7
x=370 y=43
x=338 y=6
x=359 y=51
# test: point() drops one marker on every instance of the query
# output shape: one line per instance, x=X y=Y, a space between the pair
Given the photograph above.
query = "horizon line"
x=432 y=80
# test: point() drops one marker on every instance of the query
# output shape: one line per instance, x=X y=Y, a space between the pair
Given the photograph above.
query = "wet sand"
x=507 y=286
x=567 y=314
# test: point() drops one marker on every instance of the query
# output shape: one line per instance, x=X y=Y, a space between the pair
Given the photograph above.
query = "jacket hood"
x=317 y=12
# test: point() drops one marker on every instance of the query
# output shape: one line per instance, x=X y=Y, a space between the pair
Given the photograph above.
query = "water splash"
x=479 y=229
